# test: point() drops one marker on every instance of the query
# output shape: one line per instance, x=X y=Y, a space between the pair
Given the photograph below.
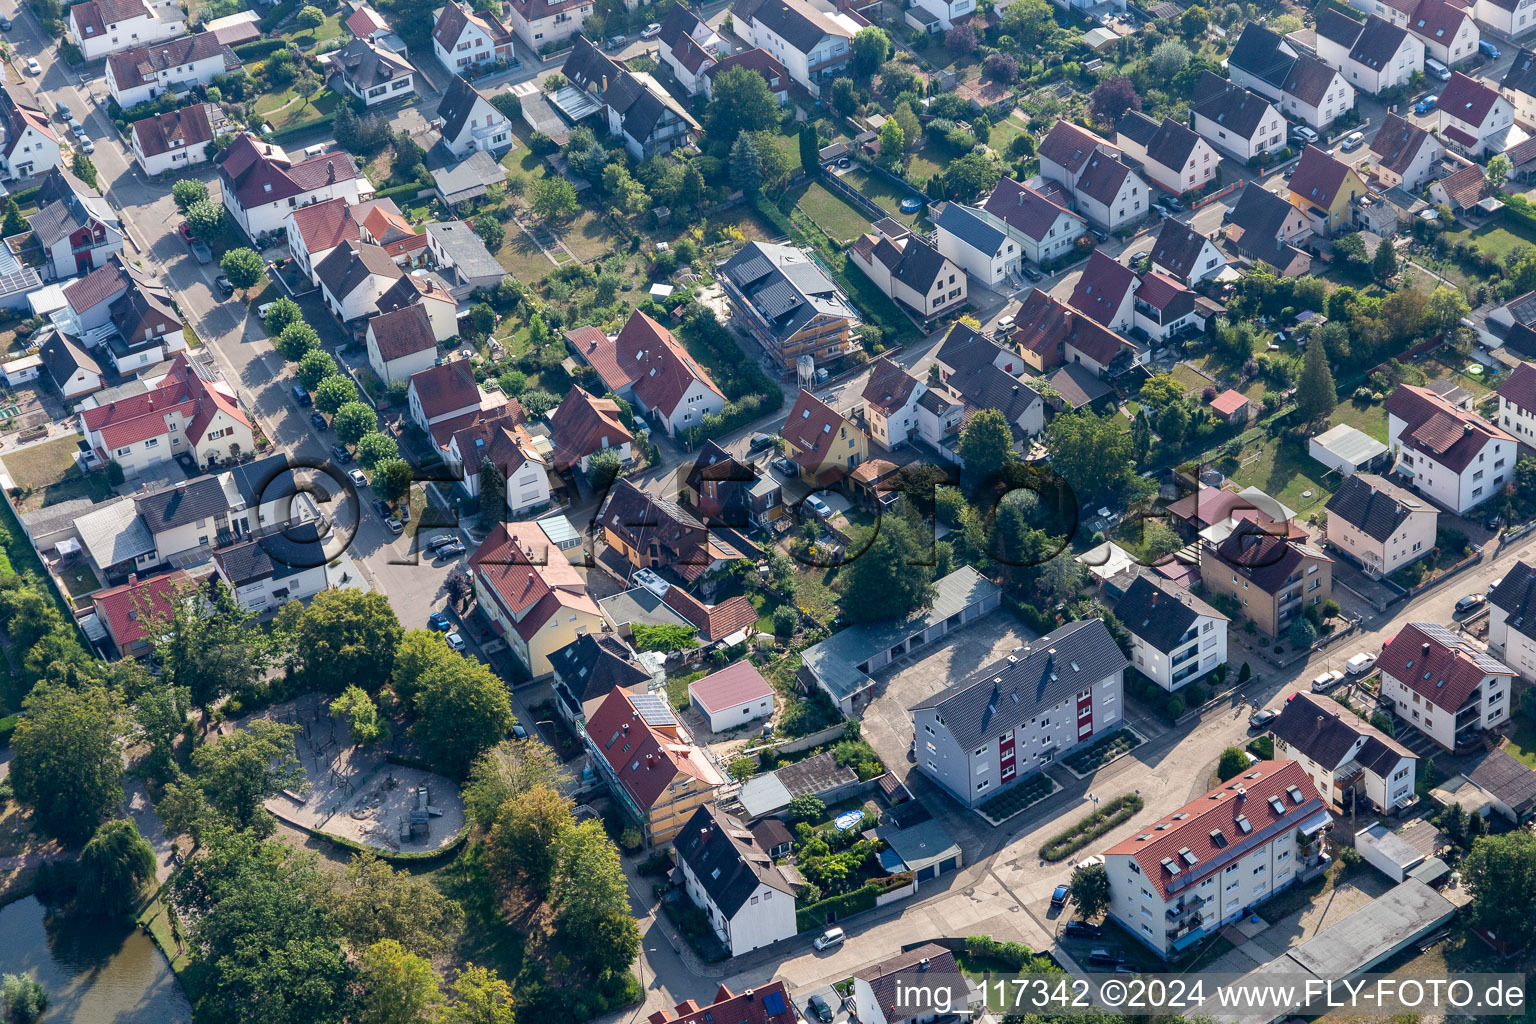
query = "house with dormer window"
x=1174 y=158
x=1474 y=119
x=470 y=122
x=463 y=37
x=1236 y=120
x=1453 y=456
x=100 y=27
x=260 y=184
x=1102 y=187
x=821 y=442
x=139 y=75
x=1444 y=684
x=532 y=596
x=30 y=145
x=178 y=139
x=76 y=227
x=1374 y=55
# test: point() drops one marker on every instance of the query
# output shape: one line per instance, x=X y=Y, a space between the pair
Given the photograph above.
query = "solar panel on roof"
x=652 y=709
x=773 y=1003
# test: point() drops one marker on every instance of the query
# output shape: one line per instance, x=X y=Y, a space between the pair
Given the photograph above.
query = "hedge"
x=1116 y=812
x=815 y=916
x=259 y=48
x=409 y=189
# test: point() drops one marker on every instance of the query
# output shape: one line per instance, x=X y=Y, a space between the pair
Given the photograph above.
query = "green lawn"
x=1520 y=739
x=309 y=38
x=1004 y=132
x=286 y=110
x=886 y=195
x=925 y=163
x=1371 y=419
x=1284 y=471
x=1497 y=238
x=834 y=216
x=49 y=472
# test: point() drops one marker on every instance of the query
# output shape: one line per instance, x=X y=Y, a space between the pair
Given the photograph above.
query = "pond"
x=94 y=973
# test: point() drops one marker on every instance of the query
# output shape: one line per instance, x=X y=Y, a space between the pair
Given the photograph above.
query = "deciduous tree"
x=188 y=191
x=66 y=760
x=345 y=636
x=871 y=47
x=1092 y=453
x=352 y=421
x=986 y=444
x=479 y=997
x=552 y=199
x=205 y=219
x=527 y=835
x=297 y=339
x=889 y=580
x=1232 y=763
x=376 y=901
x=392 y=478
x=364 y=723
x=1500 y=872
x=243 y=267
x=398 y=987
x=740 y=102
x=375 y=447
x=591 y=899
x=1090 y=890
x=283 y=312
x=240 y=771
x=316 y=366
x=207 y=642
x=114 y=866
x=461 y=710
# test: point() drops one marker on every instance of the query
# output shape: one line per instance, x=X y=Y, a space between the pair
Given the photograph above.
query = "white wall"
x=1209 y=645
x=730 y=718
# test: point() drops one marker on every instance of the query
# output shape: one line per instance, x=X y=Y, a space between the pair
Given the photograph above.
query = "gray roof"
x=366 y=64
x=1261 y=53
x=593 y=664
x=1508 y=779
x=1325 y=732
x=475 y=171
x=1178 y=246
x=53 y=518
x=640 y=607
x=1034 y=677
x=1160 y=611
x=273 y=557
x=970 y=227
x=797 y=23
x=458 y=100
x=471 y=260
x=1374 y=506
x=1351 y=444
x=724 y=856
x=1229 y=105
x=1365 y=937
x=181 y=504
x=832 y=661
x=1516 y=597
x=351 y=263
x=1390 y=845
x=785 y=285
x=264 y=480
x=921 y=845
x=113 y=533
x=1521 y=76
x=63 y=357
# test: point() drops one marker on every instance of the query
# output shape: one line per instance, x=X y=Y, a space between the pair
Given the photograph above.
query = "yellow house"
x=533 y=597
x=1324 y=188
x=650 y=762
x=822 y=443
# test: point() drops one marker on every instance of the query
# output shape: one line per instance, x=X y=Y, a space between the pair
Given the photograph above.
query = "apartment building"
x=1454 y=457
x=1176 y=638
x=1345 y=756
x=1445 y=685
x=1273 y=575
x=1378 y=525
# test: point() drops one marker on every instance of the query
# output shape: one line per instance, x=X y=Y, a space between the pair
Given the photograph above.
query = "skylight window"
x=1244 y=824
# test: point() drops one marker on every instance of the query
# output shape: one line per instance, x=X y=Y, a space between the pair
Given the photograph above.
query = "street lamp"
x=1095 y=800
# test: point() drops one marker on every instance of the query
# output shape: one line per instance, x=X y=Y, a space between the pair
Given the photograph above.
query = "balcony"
x=1185 y=907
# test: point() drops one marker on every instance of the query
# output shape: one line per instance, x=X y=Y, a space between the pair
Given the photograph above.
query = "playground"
x=357 y=794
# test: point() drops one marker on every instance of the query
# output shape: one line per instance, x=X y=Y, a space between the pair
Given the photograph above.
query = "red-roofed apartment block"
x=532 y=596
x=185 y=412
x=650 y=762
x=1445 y=685
x=1454 y=457
x=1189 y=873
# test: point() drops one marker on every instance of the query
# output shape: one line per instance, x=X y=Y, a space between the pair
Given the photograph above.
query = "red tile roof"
x=1024 y=208
x=714 y=622
x=1464 y=187
x=811 y=429
x=1102 y=288
x=140 y=417
x=1228 y=402
x=647 y=757
x=446 y=388
x=256 y=177
x=1467 y=99
x=1438 y=665
x=529 y=576
x=735 y=1009
x=592 y=345
x=1195 y=827
x=185 y=128
x=1519 y=388
x=1070 y=145
x=404 y=332
x=1433 y=427
x=122 y=608
x=1046 y=326
x=730 y=687
x=1158 y=290
x=582 y=425
x=663 y=370
x=365 y=21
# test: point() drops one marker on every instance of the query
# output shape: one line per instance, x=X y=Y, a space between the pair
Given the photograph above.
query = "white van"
x=310 y=152
x=1360 y=663
x=1435 y=69
x=829 y=938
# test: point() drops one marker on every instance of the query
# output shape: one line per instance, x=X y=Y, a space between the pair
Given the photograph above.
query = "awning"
x=1316 y=823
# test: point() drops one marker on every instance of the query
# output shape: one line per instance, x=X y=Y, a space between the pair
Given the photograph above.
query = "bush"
x=784 y=620
x=1112 y=814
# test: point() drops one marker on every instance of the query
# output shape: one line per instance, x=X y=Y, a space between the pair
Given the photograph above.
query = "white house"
x=139 y=75
x=883 y=993
x=911 y=271
x=749 y=902
x=1206 y=864
x=77 y=229
x=1510 y=18
x=1404 y=154
x=70 y=368
x=1305 y=87
x=261 y=184
x=1454 y=457
x=543 y=24
x=1447 y=30
x=1519 y=87
x=891 y=396
x=732 y=697
x=445 y=394
x=1038 y=227
x=30 y=145
x=1174 y=158
x=177 y=139
x=431 y=293
x=1374 y=55
x=1444 y=684
x=1164 y=309
x=982 y=245
x=1185 y=255
x=353 y=277
x=314 y=232
x=371 y=72
x=461 y=258
x=689 y=48
x=470 y=122
x=813 y=44
x=1175 y=637
x=266 y=574
x=463 y=38
x=1235 y=120
x=1474 y=118
x=1380 y=526
x=100 y=27
x=946 y=11
x=400 y=344
x=672 y=390
x=185 y=412
x=1105 y=292
x=1342 y=752
x=1012 y=718
x=1512 y=619
x=647 y=117
x=1106 y=191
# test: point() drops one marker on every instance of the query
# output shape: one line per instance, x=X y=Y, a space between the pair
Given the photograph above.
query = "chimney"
x=922 y=965
x=748 y=994
x=181 y=488
x=1424 y=650
x=1319 y=721
x=330 y=171
x=1242 y=793
x=133 y=579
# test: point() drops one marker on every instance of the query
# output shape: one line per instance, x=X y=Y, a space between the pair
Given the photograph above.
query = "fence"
x=861 y=202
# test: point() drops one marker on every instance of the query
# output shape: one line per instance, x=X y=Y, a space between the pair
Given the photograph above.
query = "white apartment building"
x=1010 y=719
x=100 y=27
x=812 y=44
x=1343 y=754
x=1176 y=638
x=1512 y=620
x=1454 y=457
x=749 y=902
x=1443 y=684
x=1174 y=157
x=1206 y=864
x=1235 y=120
x=139 y=75
x=1474 y=118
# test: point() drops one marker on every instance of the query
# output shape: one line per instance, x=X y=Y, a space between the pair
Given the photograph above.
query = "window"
x=152 y=442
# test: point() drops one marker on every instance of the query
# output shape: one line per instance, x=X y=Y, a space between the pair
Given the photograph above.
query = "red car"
x=186 y=232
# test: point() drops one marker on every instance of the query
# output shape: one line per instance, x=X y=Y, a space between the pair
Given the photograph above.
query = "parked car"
x=225 y=286
x=1426 y=104
x=5 y=24
x=342 y=455
x=439 y=621
x=650 y=31
x=1030 y=272
x=1059 y=897
x=786 y=466
x=816 y=1005
x=1139 y=258
x=318 y=421
x=63 y=114
x=185 y=231
x=1327 y=681
x=382 y=507
x=1468 y=603
x=200 y=251
x=1302 y=134
x=650 y=580
x=393 y=525
x=1353 y=141
x=455 y=640
x=1110 y=957
x=87 y=146
x=299 y=394
x=358 y=480
x=826 y=940
x=1489 y=50
x=759 y=442
x=33 y=67
x=453 y=549
x=819 y=507
x=1435 y=69
x=1494 y=585
x=442 y=540
x=1360 y=663
x=1259 y=719
x=1004 y=322
x=263 y=309
x=1172 y=202
x=1083 y=930
x=1493 y=522
x=78 y=129
x=1100 y=235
